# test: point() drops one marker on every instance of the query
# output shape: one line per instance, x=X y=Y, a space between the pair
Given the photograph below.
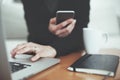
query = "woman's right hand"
x=37 y=49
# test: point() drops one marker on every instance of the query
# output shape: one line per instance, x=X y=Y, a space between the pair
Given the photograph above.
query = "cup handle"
x=105 y=35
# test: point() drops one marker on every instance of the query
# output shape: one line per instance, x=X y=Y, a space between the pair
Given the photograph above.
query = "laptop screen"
x=4 y=65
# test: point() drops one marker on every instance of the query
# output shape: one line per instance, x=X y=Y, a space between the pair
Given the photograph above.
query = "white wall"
x=103 y=16
x=13 y=19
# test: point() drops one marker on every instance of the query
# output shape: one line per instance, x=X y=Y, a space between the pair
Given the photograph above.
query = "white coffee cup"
x=94 y=40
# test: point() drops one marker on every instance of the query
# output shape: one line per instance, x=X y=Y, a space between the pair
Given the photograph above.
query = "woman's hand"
x=38 y=50
x=63 y=29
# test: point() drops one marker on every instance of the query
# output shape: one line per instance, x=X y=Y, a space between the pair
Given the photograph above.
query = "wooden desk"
x=60 y=72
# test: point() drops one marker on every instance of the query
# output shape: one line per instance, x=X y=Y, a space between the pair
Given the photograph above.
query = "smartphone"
x=64 y=15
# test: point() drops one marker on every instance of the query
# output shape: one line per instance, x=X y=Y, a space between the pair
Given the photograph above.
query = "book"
x=96 y=64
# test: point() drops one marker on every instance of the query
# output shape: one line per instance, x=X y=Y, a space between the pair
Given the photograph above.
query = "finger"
x=62 y=31
x=20 y=46
x=22 y=50
x=71 y=26
x=63 y=35
x=25 y=50
x=13 y=53
x=63 y=24
x=36 y=57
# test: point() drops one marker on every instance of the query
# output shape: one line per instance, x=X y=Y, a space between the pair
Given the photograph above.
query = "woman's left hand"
x=62 y=29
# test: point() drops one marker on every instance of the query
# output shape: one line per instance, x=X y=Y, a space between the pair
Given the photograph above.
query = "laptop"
x=21 y=67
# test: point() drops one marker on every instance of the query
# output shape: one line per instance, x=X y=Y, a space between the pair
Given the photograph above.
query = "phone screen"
x=64 y=15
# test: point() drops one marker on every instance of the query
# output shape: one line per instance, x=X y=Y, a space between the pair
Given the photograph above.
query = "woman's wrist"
x=52 y=52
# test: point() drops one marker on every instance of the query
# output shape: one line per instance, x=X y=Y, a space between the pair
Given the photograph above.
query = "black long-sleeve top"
x=38 y=14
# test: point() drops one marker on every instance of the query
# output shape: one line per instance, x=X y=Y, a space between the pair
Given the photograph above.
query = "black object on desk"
x=96 y=64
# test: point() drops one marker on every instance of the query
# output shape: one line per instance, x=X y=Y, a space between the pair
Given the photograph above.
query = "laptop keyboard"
x=17 y=66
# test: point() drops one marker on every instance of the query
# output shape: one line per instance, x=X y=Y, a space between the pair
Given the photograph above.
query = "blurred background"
x=104 y=16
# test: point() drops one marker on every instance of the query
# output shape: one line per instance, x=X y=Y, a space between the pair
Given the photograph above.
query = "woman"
x=48 y=39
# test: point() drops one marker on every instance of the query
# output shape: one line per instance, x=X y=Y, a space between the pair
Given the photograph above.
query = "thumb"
x=36 y=57
x=53 y=20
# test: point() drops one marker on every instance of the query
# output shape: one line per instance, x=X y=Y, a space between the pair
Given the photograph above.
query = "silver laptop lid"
x=4 y=66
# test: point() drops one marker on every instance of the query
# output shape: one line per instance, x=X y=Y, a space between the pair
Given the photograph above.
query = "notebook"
x=23 y=67
x=96 y=64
